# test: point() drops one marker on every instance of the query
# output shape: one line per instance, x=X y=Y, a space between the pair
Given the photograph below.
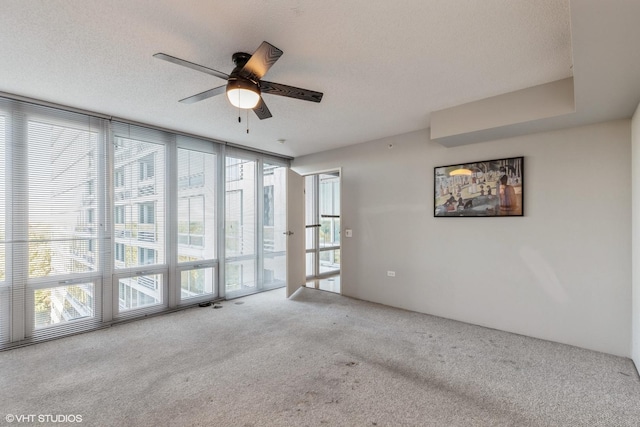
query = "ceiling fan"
x=244 y=85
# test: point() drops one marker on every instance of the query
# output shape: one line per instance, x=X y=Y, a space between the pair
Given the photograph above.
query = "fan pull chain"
x=239 y=119
x=247 y=121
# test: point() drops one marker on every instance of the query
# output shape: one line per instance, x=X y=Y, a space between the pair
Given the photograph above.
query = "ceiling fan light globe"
x=243 y=98
x=242 y=93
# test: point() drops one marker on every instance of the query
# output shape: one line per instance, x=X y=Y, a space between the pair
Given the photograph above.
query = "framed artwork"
x=480 y=189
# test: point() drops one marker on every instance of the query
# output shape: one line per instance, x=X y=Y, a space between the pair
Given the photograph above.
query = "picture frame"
x=488 y=188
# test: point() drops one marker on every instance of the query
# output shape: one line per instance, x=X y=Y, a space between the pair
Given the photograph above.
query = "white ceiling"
x=382 y=65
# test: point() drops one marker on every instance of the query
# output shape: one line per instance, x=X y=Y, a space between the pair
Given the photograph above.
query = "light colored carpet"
x=317 y=359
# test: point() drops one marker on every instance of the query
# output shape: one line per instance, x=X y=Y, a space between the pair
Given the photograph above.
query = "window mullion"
x=171 y=223
x=221 y=191
x=105 y=197
x=259 y=224
x=17 y=191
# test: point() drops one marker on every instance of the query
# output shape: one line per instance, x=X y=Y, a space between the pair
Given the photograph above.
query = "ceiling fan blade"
x=290 y=91
x=261 y=110
x=260 y=62
x=204 y=95
x=191 y=65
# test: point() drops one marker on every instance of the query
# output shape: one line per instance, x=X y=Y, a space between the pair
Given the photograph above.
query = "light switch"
x=348 y=232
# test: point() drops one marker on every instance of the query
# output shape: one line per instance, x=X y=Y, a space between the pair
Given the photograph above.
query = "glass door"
x=274 y=225
x=322 y=213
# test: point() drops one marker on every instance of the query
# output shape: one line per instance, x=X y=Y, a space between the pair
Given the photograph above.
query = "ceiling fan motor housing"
x=240 y=59
x=236 y=81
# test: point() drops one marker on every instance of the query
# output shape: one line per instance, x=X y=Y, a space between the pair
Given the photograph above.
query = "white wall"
x=562 y=272
x=635 y=159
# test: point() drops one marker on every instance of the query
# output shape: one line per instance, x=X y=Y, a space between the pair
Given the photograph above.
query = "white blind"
x=241 y=225
x=52 y=216
x=196 y=205
x=139 y=194
x=140 y=203
x=5 y=293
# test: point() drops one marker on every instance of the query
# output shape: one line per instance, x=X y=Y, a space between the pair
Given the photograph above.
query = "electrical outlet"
x=391 y=273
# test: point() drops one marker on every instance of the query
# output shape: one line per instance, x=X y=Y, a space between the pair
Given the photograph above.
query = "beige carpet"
x=318 y=359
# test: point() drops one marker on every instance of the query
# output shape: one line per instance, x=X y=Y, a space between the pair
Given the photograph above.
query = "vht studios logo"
x=42 y=418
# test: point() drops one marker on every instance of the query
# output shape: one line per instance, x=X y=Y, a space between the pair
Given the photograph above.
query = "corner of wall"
x=635 y=236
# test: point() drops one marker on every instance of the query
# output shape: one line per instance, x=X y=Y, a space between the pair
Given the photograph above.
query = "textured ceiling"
x=383 y=66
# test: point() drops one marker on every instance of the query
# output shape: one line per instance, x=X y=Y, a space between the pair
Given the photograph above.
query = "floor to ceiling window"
x=103 y=220
x=63 y=221
x=197 y=237
x=139 y=199
x=51 y=220
x=240 y=225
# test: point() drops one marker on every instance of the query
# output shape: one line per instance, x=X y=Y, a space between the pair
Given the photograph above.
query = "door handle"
x=288 y=233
